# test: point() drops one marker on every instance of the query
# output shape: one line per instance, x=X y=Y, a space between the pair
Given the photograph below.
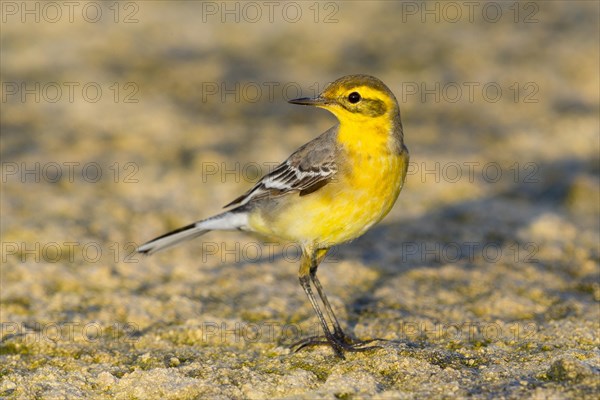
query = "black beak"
x=309 y=101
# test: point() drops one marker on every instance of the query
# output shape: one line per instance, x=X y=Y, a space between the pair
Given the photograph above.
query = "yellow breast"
x=369 y=179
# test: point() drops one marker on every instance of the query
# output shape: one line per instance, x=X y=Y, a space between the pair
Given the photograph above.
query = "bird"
x=329 y=191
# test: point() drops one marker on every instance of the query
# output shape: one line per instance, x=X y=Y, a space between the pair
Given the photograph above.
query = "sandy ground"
x=122 y=120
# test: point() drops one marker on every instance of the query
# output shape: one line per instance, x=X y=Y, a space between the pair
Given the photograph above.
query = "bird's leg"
x=339 y=341
x=304 y=277
x=337 y=329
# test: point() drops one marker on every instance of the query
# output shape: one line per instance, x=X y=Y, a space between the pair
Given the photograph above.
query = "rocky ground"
x=122 y=121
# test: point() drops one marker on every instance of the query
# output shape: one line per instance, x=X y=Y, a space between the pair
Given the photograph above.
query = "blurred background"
x=122 y=120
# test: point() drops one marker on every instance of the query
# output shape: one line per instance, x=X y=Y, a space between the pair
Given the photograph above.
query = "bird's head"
x=355 y=98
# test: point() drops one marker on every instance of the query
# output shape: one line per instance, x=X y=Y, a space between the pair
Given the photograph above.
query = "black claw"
x=339 y=342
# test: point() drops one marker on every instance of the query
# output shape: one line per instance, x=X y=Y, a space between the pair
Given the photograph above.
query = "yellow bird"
x=329 y=191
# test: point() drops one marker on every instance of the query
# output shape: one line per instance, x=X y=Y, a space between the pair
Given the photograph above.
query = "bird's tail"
x=230 y=220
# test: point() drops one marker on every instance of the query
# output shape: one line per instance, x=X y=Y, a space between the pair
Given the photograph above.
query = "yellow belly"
x=342 y=210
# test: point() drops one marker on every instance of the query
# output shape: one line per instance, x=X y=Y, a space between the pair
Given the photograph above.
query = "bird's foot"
x=339 y=341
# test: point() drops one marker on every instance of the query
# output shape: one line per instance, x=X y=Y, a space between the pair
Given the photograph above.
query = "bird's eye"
x=354 y=97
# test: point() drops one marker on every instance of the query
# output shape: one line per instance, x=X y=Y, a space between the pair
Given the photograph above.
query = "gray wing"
x=307 y=170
